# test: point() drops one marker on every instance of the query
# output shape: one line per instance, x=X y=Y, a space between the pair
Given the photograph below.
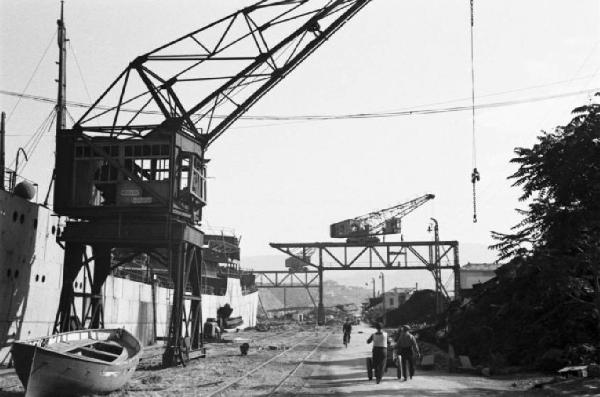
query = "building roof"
x=481 y=266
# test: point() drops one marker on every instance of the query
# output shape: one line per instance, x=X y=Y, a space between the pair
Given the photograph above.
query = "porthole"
x=16 y=273
x=22 y=219
x=15 y=216
x=43 y=279
x=8 y=272
x=37 y=277
x=53 y=229
x=35 y=223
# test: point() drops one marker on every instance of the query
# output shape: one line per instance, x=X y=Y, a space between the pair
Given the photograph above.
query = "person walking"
x=380 y=340
x=347 y=329
x=407 y=347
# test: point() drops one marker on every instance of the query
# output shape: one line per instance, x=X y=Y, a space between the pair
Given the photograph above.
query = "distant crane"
x=380 y=222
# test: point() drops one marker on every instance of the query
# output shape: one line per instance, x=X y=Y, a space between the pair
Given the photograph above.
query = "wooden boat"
x=75 y=363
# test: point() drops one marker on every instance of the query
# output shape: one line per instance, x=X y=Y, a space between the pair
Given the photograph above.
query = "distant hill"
x=333 y=294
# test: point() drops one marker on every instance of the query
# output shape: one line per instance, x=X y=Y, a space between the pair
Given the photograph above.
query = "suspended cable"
x=32 y=142
x=31 y=77
x=85 y=86
x=475 y=177
x=413 y=111
x=39 y=138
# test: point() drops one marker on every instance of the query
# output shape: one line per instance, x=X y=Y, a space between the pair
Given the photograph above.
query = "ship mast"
x=61 y=98
x=2 y=160
x=61 y=101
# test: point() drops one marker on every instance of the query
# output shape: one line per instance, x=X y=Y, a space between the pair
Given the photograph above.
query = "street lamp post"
x=367 y=284
x=436 y=267
x=382 y=277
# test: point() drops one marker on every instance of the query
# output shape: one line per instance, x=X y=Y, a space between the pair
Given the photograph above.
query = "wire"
x=31 y=77
x=475 y=177
x=474 y=148
x=374 y=115
x=80 y=72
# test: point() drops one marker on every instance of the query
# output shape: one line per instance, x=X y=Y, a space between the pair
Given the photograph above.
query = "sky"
x=288 y=181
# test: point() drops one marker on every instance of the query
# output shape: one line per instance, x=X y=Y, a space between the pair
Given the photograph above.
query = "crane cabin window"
x=102 y=181
x=192 y=177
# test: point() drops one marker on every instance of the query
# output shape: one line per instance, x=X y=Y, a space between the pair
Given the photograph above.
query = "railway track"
x=150 y=361
x=222 y=391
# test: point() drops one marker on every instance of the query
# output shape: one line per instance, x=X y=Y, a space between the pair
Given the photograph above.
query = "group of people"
x=405 y=347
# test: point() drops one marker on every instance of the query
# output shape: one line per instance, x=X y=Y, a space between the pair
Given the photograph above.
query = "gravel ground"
x=222 y=365
x=319 y=376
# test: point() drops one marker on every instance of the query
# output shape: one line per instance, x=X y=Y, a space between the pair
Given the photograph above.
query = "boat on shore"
x=77 y=362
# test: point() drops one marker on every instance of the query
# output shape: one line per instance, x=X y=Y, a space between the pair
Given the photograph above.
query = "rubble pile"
x=530 y=314
x=419 y=309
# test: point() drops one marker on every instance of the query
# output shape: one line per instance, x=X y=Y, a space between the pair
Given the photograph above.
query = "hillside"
x=333 y=294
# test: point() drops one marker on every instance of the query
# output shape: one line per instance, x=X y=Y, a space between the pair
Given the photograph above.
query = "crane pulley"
x=380 y=222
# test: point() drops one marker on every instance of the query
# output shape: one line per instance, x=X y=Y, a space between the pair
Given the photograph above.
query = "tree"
x=547 y=296
x=561 y=177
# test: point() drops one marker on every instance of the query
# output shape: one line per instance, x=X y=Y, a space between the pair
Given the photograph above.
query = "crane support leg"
x=321 y=308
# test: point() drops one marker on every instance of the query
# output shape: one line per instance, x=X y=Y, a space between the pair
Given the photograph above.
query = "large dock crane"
x=381 y=222
x=131 y=172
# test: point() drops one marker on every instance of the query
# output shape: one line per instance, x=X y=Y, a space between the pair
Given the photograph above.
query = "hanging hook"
x=475 y=177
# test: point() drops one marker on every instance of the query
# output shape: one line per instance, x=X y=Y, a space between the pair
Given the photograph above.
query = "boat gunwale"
x=137 y=348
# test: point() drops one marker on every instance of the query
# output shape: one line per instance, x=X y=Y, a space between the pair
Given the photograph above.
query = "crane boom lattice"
x=203 y=81
x=380 y=222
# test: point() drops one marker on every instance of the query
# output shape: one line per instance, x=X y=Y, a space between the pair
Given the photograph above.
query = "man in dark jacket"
x=407 y=347
x=347 y=329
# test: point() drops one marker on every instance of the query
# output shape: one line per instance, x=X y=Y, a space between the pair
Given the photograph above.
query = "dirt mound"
x=418 y=309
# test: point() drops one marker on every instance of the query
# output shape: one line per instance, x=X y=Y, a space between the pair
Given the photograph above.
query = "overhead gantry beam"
x=401 y=255
x=374 y=256
x=286 y=279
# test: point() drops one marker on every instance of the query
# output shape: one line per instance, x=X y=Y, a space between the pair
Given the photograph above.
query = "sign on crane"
x=380 y=222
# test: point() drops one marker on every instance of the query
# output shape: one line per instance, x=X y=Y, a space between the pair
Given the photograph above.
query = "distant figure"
x=379 y=340
x=347 y=329
x=212 y=330
x=223 y=314
x=244 y=349
x=408 y=348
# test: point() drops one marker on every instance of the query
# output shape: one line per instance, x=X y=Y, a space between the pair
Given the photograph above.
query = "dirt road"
x=338 y=371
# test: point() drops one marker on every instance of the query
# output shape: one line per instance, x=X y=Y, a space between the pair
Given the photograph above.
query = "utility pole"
x=382 y=277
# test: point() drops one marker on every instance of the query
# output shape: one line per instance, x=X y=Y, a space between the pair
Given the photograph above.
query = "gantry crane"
x=386 y=221
x=131 y=172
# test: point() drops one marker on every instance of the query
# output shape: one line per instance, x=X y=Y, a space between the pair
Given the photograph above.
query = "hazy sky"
x=286 y=182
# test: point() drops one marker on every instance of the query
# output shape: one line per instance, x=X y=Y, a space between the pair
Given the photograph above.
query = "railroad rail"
x=219 y=392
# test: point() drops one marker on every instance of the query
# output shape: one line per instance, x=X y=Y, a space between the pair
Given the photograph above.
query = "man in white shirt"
x=380 y=340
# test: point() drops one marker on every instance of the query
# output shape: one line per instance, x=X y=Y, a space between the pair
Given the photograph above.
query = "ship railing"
x=10 y=177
